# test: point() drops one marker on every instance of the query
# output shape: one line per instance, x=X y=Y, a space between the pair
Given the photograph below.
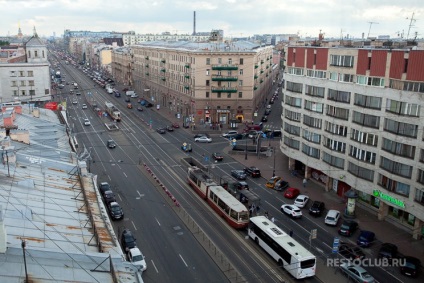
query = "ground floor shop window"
x=402 y=216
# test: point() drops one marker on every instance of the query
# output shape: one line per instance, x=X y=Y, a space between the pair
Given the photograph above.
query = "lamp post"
x=245 y=149
x=273 y=168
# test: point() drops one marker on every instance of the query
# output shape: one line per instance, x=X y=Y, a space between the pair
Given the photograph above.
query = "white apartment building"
x=352 y=119
x=131 y=38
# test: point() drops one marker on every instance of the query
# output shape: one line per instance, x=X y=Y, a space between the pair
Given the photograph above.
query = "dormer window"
x=35 y=53
x=29 y=54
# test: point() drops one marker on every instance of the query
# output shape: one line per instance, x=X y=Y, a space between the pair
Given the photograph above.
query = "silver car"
x=357 y=273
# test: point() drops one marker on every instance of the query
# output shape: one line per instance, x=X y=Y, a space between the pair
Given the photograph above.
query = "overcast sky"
x=235 y=17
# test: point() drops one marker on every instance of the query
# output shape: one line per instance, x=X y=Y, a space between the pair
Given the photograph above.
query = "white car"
x=203 y=139
x=75 y=102
x=301 y=201
x=137 y=258
x=134 y=95
x=292 y=210
x=230 y=133
x=357 y=273
x=332 y=217
x=87 y=122
x=84 y=106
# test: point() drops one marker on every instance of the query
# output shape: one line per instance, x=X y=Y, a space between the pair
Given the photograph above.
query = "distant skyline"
x=238 y=18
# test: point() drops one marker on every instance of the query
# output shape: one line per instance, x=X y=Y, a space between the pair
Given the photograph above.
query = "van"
x=130 y=93
x=256 y=127
x=332 y=217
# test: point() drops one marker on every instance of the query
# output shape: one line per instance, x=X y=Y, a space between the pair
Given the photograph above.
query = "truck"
x=113 y=112
x=130 y=93
x=109 y=89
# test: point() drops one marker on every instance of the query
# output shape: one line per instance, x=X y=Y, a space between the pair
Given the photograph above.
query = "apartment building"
x=352 y=119
x=211 y=82
x=132 y=38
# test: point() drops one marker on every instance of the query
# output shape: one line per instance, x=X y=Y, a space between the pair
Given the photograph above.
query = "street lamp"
x=245 y=150
x=273 y=168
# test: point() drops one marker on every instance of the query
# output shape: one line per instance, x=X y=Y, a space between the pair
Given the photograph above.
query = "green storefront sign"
x=388 y=198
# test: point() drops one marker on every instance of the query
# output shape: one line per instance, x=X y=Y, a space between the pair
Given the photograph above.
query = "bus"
x=291 y=255
x=221 y=201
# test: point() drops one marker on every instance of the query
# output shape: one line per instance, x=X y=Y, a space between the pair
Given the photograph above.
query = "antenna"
x=369 y=30
x=411 y=24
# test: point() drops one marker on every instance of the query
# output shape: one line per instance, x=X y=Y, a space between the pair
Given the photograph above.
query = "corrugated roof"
x=233 y=46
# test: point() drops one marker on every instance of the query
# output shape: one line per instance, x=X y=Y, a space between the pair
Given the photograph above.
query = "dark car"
x=175 y=125
x=170 y=128
x=238 y=174
x=111 y=144
x=388 y=251
x=264 y=118
x=253 y=172
x=281 y=185
x=350 y=251
x=127 y=99
x=115 y=210
x=148 y=105
x=267 y=111
x=217 y=156
x=161 y=130
x=410 y=266
x=117 y=94
x=365 y=239
x=241 y=185
x=317 y=208
x=103 y=187
x=109 y=197
x=348 y=228
x=127 y=240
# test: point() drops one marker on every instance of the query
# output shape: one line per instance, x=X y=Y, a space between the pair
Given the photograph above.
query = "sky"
x=238 y=18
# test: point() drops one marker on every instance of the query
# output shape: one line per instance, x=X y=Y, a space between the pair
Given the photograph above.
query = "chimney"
x=3 y=235
x=194 y=23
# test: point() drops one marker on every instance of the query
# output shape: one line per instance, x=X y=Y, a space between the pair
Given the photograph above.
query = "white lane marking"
x=120 y=197
x=183 y=260
x=157 y=271
x=135 y=228
x=140 y=195
x=157 y=221
x=125 y=175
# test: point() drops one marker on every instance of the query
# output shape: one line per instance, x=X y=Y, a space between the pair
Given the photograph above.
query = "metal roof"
x=231 y=46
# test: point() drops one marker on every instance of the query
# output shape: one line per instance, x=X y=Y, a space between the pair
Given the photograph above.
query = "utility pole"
x=369 y=30
x=23 y=244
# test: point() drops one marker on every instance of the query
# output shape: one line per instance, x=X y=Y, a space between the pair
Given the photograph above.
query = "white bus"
x=297 y=260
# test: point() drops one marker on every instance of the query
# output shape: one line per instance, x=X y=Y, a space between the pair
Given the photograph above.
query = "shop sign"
x=388 y=198
x=222 y=111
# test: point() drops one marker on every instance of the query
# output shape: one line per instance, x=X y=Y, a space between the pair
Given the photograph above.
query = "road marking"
x=140 y=195
x=183 y=260
x=120 y=197
x=157 y=271
x=125 y=175
x=135 y=228
x=157 y=221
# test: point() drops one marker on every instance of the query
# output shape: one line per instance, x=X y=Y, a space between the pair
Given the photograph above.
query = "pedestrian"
x=291 y=233
x=304 y=182
x=266 y=214
x=273 y=219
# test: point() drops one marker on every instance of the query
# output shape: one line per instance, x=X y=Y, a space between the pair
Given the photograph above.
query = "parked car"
x=108 y=197
x=87 y=122
x=365 y=239
x=317 y=208
x=388 y=251
x=217 y=156
x=201 y=135
x=137 y=258
x=253 y=172
x=410 y=266
x=357 y=273
x=291 y=210
x=271 y=182
x=332 y=217
x=229 y=134
x=103 y=187
x=175 y=125
x=115 y=210
x=161 y=130
x=111 y=144
x=350 y=252
x=84 y=106
x=301 y=201
x=127 y=240
x=129 y=106
x=186 y=147
x=238 y=174
x=170 y=128
x=348 y=227
x=291 y=193
x=203 y=139
x=264 y=118
x=281 y=185
x=127 y=99
x=75 y=102
x=267 y=111
x=139 y=108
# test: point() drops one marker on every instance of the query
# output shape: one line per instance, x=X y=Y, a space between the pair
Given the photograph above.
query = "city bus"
x=289 y=254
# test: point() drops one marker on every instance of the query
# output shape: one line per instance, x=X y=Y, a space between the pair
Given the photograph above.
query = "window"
x=43 y=54
x=241 y=62
x=419 y=196
x=208 y=61
x=241 y=72
x=14 y=83
x=372 y=81
x=294 y=101
x=207 y=72
x=22 y=83
x=240 y=83
x=32 y=92
x=396 y=167
x=334 y=76
x=31 y=83
x=367 y=101
x=292 y=115
x=313 y=106
x=360 y=172
x=312 y=122
x=333 y=160
x=290 y=142
x=207 y=83
x=393 y=185
x=21 y=73
x=335 y=145
x=294 y=87
x=35 y=53
x=366 y=120
x=335 y=129
x=294 y=130
x=218 y=95
x=207 y=94
x=402 y=108
x=363 y=137
x=311 y=136
x=362 y=154
x=30 y=74
x=397 y=148
x=240 y=94
x=337 y=112
x=229 y=95
x=314 y=91
x=339 y=96
x=219 y=60
x=399 y=128
x=29 y=54
x=230 y=61
x=310 y=151
x=295 y=71
x=316 y=74
x=345 y=78
x=341 y=60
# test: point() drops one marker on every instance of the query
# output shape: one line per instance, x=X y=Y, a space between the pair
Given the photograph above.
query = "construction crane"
x=369 y=30
x=411 y=24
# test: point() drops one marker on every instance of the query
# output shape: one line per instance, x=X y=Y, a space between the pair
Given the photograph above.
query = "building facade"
x=352 y=119
x=204 y=82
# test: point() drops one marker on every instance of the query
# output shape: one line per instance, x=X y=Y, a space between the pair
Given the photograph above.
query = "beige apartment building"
x=211 y=82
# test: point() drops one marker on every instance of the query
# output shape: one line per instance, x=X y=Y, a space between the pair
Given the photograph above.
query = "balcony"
x=187 y=76
x=262 y=61
x=224 y=78
x=163 y=70
x=224 y=89
x=262 y=71
x=187 y=66
x=163 y=61
x=224 y=67
x=255 y=88
x=256 y=66
x=163 y=79
x=147 y=57
x=261 y=81
x=147 y=73
x=187 y=87
x=255 y=77
x=147 y=65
